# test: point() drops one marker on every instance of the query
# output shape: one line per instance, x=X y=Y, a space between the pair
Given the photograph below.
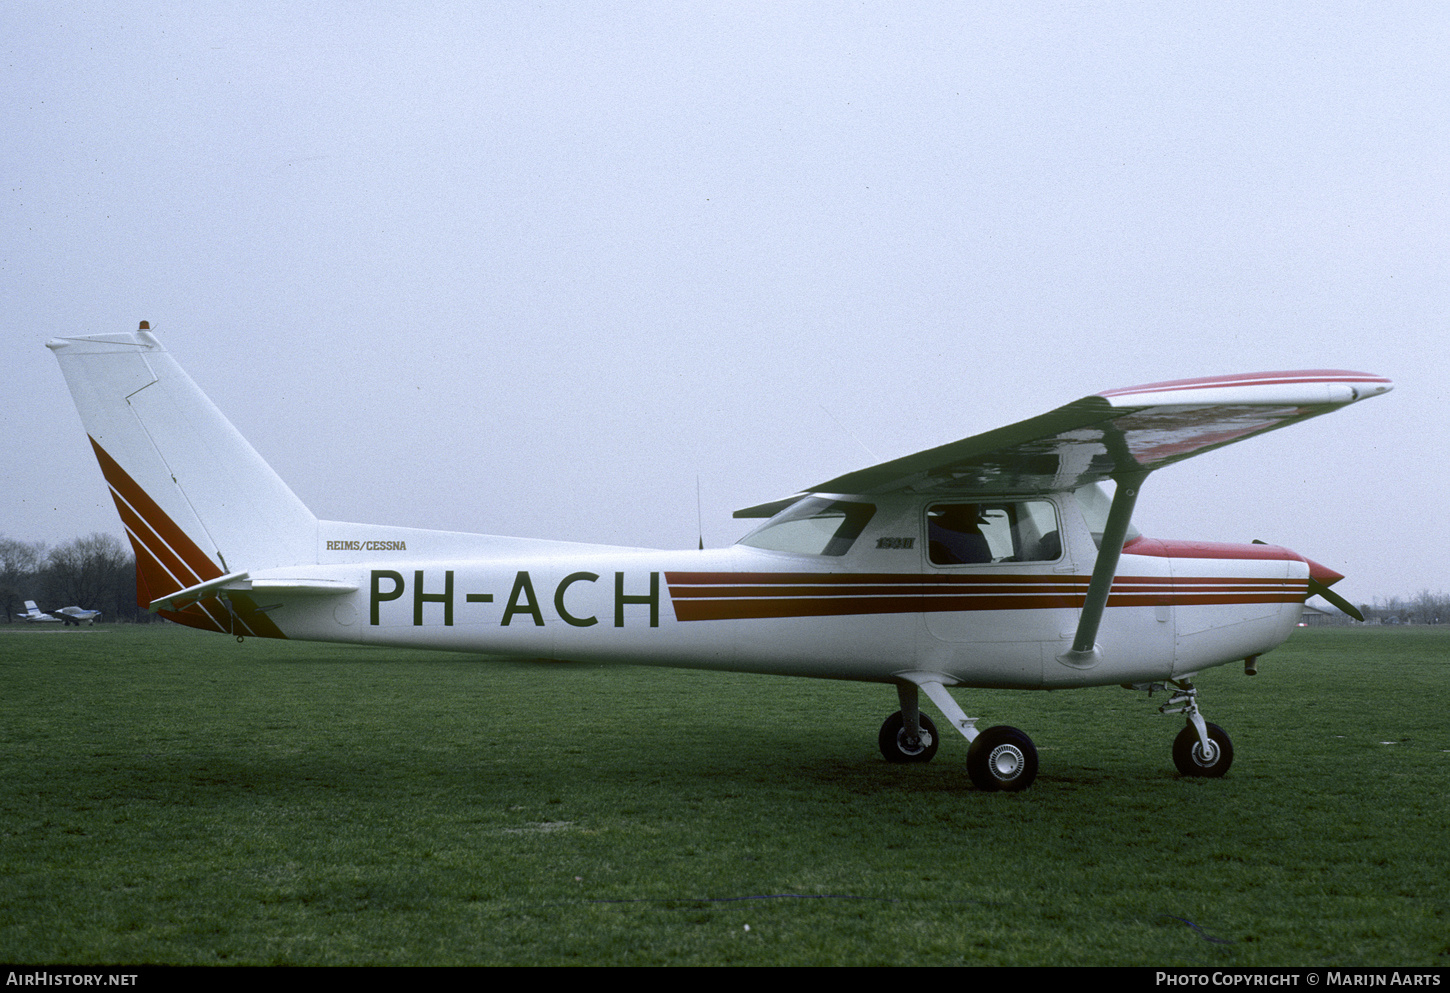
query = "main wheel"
x=897 y=747
x=1002 y=758
x=1190 y=759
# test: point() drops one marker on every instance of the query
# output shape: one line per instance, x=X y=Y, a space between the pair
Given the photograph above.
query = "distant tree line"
x=96 y=572
x=1422 y=608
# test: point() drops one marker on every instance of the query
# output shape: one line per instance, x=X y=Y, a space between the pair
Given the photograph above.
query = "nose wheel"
x=1192 y=759
x=1201 y=750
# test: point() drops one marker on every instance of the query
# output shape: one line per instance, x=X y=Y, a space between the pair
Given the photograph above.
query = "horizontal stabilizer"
x=200 y=591
x=241 y=582
x=302 y=587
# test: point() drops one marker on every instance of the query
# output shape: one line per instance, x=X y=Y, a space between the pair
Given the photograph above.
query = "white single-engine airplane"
x=78 y=615
x=34 y=615
x=996 y=561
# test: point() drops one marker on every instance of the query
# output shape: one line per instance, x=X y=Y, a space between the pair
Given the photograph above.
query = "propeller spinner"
x=1320 y=579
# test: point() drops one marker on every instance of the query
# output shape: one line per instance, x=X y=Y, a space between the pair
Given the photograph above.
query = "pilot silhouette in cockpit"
x=954 y=535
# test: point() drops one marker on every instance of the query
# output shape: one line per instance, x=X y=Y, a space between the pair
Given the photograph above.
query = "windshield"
x=813 y=526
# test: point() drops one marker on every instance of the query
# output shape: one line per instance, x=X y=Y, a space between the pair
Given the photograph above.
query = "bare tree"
x=19 y=573
x=90 y=572
x=1430 y=608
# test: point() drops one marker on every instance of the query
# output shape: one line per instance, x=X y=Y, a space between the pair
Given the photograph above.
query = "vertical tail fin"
x=196 y=499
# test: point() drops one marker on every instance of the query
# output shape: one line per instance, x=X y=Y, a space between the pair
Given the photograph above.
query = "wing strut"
x=1085 y=651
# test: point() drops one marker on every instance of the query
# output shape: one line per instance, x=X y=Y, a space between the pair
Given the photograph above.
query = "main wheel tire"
x=1188 y=753
x=1002 y=758
x=895 y=745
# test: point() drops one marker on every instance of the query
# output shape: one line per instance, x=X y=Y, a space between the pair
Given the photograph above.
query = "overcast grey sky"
x=533 y=268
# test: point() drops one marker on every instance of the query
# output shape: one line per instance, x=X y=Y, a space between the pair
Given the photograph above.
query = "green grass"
x=174 y=797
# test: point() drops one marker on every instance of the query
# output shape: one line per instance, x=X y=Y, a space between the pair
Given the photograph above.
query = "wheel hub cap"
x=1005 y=762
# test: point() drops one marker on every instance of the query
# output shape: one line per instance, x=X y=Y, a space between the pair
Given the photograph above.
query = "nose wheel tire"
x=1002 y=758
x=897 y=747
x=1189 y=756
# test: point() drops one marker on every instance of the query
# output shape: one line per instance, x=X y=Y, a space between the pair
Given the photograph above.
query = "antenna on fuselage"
x=699 y=516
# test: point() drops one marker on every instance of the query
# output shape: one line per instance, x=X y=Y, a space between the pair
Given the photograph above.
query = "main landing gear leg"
x=1201 y=750
x=1000 y=758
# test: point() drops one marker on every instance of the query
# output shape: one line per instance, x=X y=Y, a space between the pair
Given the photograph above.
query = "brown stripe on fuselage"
x=741 y=596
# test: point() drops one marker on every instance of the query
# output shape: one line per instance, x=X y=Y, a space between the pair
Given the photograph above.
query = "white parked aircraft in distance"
x=77 y=615
x=33 y=615
x=996 y=561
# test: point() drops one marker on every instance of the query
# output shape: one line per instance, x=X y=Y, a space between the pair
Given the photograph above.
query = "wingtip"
x=1285 y=387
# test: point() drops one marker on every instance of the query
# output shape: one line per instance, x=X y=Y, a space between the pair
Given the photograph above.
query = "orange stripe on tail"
x=167 y=560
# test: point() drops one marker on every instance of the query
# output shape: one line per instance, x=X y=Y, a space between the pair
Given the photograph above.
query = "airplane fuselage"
x=881 y=608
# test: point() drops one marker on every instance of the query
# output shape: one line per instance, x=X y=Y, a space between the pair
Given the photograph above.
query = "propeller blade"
x=1316 y=588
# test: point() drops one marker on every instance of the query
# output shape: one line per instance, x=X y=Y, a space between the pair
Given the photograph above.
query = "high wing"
x=1132 y=430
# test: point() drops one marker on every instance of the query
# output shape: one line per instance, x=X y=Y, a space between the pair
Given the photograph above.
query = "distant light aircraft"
x=33 y=615
x=75 y=615
x=996 y=561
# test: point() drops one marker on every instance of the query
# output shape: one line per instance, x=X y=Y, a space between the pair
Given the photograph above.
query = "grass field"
x=174 y=797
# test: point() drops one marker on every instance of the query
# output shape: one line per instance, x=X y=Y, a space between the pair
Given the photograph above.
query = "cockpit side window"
x=993 y=531
x=813 y=526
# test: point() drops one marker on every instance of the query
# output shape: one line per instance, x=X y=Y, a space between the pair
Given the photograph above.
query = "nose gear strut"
x=1201 y=750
